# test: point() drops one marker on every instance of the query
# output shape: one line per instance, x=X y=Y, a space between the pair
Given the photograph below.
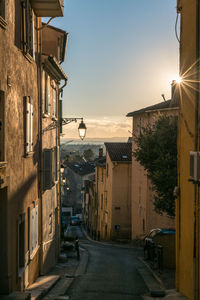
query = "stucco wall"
x=20 y=172
x=144 y=217
x=185 y=203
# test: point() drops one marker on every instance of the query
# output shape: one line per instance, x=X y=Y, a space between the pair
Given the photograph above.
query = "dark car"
x=150 y=241
x=75 y=221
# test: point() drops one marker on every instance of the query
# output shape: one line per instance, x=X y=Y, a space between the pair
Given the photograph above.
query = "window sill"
x=3 y=164
x=3 y=23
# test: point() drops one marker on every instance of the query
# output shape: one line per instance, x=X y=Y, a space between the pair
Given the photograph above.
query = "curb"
x=107 y=243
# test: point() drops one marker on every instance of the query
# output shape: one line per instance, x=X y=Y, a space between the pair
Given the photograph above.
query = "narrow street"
x=111 y=272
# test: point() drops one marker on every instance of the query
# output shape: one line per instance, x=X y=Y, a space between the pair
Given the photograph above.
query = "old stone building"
x=24 y=214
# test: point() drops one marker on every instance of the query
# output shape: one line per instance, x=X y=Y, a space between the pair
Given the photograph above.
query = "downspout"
x=40 y=144
x=196 y=144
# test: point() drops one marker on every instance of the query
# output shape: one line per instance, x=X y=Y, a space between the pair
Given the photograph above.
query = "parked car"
x=75 y=221
x=151 y=241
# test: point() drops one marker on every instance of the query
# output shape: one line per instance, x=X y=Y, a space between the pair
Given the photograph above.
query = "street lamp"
x=64 y=121
x=82 y=130
x=62 y=169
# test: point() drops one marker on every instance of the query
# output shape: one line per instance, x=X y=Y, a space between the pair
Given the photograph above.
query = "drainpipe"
x=196 y=144
x=59 y=187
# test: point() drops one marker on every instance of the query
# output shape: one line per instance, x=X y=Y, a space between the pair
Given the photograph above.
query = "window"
x=2 y=101
x=2 y=9
x=49 y=168
x=117 y=207
x=33 y=229
x=24 y=27
x=29 y=125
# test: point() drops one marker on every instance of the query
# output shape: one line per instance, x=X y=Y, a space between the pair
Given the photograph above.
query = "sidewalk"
x=161 y=284
x=55 y=284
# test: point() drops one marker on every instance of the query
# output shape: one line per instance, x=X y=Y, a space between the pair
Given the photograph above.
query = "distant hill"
x=94 y=140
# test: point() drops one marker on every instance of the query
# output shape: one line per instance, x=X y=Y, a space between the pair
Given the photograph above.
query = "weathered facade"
x=21 y=205
x=144 y=217
x=187 y=212
x=114 y=193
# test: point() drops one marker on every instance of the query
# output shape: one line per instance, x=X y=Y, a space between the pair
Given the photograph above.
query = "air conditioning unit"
x=195 y=165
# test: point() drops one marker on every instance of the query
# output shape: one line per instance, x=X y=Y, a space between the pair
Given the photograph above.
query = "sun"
x=178 y=79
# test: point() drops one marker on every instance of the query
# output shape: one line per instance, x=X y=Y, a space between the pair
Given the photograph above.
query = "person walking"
x=77 y=247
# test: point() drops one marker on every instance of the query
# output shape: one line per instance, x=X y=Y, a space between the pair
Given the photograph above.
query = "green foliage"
x=88 y=154
x=157 y=153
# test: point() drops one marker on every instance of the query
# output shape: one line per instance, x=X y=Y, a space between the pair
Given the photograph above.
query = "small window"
x=124 y=156
x=2 y=9
x=117 y=207
x=25 y=27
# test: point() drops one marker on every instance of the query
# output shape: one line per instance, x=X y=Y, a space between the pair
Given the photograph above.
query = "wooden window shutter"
x=47 y=95
x=60 y=115
x=28 y=112
x=56 y=163
x=32 y=230
x=43 y=90
x=54 y=102
x=53 y=165
x=31 y=129
x=47 y=169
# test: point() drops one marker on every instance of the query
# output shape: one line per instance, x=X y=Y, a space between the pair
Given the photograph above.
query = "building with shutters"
x=29 y=140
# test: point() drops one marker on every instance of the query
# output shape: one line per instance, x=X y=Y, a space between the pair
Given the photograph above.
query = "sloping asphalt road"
x=111 y=273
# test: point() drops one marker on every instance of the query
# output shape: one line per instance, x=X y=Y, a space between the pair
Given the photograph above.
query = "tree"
x=157 y=152
x=88 y=154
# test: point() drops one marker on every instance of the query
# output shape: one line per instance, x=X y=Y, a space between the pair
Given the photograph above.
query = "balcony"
x=48 y=8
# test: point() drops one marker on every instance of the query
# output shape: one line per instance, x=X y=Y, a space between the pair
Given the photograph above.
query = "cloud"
x=105 y=127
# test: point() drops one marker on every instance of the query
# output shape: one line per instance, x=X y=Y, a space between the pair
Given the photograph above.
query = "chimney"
x=100 y=152
x=174 y=94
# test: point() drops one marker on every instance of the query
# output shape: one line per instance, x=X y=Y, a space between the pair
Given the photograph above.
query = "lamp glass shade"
x=62 y=169
x=82 y=130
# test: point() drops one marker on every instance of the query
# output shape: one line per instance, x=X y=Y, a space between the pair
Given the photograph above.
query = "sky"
x=121 y=56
